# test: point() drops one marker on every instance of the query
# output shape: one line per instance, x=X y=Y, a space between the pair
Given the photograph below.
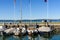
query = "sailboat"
x=20 y=30
x=45 y=30
x=8 y=31
x=31 y=29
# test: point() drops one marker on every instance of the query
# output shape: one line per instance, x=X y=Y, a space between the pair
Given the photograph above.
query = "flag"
x=45 y=0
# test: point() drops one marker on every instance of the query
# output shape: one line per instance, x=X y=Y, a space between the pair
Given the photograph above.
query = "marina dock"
x=22 y=28
x=54 y=24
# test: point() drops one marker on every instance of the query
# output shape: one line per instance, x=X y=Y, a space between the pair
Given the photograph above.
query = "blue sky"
x=39 y=9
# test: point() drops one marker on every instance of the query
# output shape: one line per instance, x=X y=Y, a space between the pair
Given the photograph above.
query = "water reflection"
x=38 y=37
x=22 y=38
x=33 y=37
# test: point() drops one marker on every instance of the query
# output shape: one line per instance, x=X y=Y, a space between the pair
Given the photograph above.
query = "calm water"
x=38 y=37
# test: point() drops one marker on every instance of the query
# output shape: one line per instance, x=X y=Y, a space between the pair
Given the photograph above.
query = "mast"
x=46 y=1
x=14 y=9
x=21 y=12
x=30 y=11
x=47 y=11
